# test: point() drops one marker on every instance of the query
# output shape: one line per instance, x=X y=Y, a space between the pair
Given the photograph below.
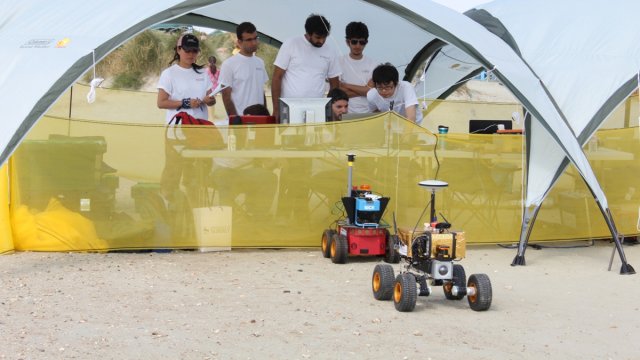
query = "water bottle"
x=231 y=142
x=442 y=131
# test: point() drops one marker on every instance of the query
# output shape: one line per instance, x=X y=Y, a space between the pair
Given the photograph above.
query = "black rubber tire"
x=382 y=282
x=459 y=280
x=325 y=243
x=391 y=255
x=481 y=301
x=405 y=292
x=339 y=249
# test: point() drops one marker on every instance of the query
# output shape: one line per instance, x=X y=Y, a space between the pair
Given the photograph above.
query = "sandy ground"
x=294 y=304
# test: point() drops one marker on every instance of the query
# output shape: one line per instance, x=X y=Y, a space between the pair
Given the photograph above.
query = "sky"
x=461 y=5
x=458 y=5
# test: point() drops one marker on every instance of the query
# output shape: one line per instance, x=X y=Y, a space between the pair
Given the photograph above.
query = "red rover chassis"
x=361 y=233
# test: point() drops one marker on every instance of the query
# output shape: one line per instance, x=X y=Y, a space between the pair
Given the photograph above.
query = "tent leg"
x=527 y=224
x=626 y=268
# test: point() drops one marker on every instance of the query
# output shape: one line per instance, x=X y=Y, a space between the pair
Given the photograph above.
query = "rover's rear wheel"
x=391 y=254
x=481 y=300
x=325 y=245
x=339 y=249
x=459 y=280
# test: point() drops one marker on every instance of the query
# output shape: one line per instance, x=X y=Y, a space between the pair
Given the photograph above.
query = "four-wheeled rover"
x=429 y=260
x=362 y=233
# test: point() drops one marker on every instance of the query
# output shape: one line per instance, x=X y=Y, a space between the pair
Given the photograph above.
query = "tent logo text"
x=37 y=43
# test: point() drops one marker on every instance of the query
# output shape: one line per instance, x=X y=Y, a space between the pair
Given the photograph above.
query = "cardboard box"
x=213 y=228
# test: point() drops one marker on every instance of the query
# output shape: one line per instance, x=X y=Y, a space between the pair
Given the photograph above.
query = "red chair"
x=252 y=120
x=258 y=119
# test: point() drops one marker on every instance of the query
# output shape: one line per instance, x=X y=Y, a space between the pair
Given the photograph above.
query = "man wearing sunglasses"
x=304 y=63
x=243 y=75
x=356 y=68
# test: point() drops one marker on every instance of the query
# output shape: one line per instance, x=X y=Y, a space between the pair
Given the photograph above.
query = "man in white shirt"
x=389 y=94
x=303 y=64
x=243 y=75
x=356 y=68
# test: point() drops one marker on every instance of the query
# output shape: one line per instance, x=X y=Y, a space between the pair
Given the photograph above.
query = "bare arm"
x=347 y=89
x=276 y=90
x=165 y=103
x=209 y=99
x=411 y=112
x=334 y=82
x=229 y=106
x=353 y=90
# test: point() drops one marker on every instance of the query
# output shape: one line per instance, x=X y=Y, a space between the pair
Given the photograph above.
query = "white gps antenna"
x=515 y=116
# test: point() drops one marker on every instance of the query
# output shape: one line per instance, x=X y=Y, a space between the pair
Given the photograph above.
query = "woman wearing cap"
x=183 y=86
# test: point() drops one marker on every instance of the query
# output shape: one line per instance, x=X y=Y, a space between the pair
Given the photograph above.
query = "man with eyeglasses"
x=243 y=75
x=303 y=64
x=391 y=95
x=356 y=68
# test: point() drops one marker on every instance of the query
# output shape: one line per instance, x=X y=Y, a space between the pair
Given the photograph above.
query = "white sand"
x=294 y=304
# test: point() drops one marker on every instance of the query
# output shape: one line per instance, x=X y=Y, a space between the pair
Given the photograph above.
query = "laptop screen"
x=488 y=126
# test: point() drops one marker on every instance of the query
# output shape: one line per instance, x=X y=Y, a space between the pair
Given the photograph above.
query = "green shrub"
x=128 y=80
x=150 y=52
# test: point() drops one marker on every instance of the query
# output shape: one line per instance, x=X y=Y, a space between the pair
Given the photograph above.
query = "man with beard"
x=339 y=103
x=243 y=75
x=304 y=64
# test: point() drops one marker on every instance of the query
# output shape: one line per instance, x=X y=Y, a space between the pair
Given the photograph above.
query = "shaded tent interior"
x=465 y=35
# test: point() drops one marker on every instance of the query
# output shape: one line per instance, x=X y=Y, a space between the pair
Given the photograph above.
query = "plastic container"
x=231 y=142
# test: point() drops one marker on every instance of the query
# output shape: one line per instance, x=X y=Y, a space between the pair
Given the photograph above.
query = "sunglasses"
x=190 y=51
x=356 y=42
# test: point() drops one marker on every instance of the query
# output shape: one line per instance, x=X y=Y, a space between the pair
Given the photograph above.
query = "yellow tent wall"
x=6 y=240
x=92 y=184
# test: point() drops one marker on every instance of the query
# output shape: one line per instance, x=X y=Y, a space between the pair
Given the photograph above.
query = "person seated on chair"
x=232 y=177
x=327 y=177
x=256 y=109
x=339 y=103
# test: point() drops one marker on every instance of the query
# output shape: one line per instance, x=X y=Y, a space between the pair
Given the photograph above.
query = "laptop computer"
x=356 y=116
x=488 y=126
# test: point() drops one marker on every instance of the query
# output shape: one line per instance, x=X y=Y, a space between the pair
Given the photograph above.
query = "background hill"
x=137 y=64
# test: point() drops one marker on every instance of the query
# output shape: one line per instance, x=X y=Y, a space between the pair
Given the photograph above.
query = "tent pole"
x=528 y=219
x=626 y=268
x=70 y=100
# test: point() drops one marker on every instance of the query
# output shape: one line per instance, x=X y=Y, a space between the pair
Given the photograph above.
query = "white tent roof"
x=583 y=54
x=586 y=56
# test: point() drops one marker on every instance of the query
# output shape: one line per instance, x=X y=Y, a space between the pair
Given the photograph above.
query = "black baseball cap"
x=189 y=42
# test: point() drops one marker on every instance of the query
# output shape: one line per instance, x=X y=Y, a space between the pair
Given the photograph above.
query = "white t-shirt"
x=306 y=67
x=357 y=72
x=403 y=97
x=246 y=76
x=181 y=83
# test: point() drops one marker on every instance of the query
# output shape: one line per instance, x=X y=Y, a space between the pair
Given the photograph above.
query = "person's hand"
x=195 y=103
x=210 y=100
